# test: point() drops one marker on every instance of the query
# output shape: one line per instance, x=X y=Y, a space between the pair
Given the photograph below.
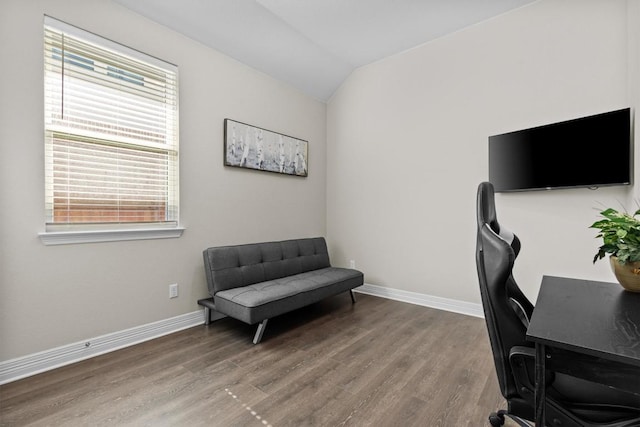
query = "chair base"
x=519 y=410
x=496 y=419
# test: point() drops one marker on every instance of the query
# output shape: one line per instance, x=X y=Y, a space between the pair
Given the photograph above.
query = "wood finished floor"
x=376 y=363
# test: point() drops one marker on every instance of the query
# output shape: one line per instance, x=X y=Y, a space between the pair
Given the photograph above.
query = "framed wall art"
x=251 y=147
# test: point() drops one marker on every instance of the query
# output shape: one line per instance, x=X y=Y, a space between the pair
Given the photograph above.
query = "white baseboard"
x=456 y=306
x=21 y=367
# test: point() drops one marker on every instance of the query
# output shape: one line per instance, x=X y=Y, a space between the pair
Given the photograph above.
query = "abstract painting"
x=251 y=147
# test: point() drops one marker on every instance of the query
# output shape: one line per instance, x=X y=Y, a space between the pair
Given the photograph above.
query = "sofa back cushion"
x=235 y=266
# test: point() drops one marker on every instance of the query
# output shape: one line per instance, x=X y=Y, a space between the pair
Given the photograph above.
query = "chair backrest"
x=486 y=213
x=506 y=308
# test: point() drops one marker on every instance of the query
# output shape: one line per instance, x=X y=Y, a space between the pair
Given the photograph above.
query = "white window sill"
x=94 y=236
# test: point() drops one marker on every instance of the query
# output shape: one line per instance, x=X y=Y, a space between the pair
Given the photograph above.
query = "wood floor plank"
x=382 y=391
x=377 y=362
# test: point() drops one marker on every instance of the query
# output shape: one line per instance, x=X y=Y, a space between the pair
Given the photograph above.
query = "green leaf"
x=620 y=234
x=601 y=223
x=612 y=214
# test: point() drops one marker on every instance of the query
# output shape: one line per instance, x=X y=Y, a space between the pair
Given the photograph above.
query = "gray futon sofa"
x=258 y=281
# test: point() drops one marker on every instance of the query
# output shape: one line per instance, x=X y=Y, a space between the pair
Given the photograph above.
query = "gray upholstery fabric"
x=260 y=301
x=261 y=280
x=241 y=265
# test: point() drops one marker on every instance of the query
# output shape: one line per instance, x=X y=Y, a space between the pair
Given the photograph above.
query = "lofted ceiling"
x=314 y=45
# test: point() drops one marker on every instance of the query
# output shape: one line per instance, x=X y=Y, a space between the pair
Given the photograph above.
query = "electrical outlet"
x=173 y=290
x=352 y=264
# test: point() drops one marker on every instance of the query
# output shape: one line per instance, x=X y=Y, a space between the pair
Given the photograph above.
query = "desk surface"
x=595 y=318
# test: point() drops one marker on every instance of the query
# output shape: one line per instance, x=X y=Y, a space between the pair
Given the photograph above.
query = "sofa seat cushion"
x=259 y=301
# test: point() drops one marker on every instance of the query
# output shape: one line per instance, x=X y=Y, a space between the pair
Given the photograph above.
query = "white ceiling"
x=314 y=45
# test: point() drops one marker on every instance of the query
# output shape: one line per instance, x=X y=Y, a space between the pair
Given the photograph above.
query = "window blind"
x=111 y=132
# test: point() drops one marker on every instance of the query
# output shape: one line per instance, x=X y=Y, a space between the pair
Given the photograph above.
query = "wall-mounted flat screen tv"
x=591 y=151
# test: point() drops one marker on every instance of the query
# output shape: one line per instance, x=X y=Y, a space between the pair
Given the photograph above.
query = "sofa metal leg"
x=260 y=331
x=353 y=297
x=207 y=315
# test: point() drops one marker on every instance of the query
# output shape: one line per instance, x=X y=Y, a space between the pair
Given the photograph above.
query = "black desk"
x=591 y=319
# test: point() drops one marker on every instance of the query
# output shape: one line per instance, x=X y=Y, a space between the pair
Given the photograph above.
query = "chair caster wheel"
x=496 y=419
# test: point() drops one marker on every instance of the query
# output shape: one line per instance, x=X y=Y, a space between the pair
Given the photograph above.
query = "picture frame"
x=252 y=147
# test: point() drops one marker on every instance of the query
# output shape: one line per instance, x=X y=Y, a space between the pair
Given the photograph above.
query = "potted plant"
x=620 y=233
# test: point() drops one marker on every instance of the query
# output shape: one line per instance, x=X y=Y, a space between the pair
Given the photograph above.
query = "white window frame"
x=68 y=233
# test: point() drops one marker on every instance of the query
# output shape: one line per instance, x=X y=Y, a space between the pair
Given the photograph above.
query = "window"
x=111 y=135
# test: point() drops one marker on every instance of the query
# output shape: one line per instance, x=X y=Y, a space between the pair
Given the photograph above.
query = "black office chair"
x=570 y=401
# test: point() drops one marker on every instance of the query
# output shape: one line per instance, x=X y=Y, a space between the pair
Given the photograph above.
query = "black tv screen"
x=591 y=151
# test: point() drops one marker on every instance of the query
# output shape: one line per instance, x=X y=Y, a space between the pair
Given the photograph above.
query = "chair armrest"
x=522 y=360
x=520 y=351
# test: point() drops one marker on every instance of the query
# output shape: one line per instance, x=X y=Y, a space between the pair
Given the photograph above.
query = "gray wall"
x=55 y=295
x=407 y=146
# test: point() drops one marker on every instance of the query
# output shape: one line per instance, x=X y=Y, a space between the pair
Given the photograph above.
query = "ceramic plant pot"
x=628 y=275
